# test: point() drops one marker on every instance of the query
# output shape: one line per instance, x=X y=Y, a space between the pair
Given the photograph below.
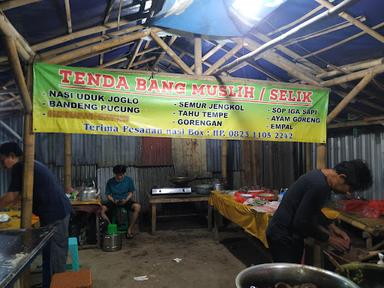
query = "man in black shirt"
x=299 y=213
x=49 y=203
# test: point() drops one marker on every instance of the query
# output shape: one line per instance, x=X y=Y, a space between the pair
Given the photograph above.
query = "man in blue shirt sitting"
x=119 y=191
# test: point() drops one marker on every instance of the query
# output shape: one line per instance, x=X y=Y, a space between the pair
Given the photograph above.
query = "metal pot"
x=181 y=180
x=112 y=242
x=89 y=193
x=204 y=189
x=267 y=275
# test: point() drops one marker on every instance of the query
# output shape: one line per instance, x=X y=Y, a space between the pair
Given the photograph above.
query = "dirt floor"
x=204 y=262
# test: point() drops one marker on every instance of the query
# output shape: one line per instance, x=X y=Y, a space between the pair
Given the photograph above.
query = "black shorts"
x=110 y=205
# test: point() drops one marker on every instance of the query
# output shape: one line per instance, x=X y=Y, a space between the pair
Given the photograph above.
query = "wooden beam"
x=87 y=42
x=290 y=53
x=137 y=48
x=10 y=4
x=291 y=24
x=27 y=188
x=278 y=40
x=22 y=45
x=18 y=72
x=144 y=61
x=223 y=59
x=68 y=14
x=283 y=63
x=355 y=91
x=162 y=54
x=78 y=34
x=378 y=120
x=353 y=76
x=337 y=43
x=345 y=69
x=171 y=53
x=327 y=30
x=67 y=57
x=355 y=22
x=198 y=52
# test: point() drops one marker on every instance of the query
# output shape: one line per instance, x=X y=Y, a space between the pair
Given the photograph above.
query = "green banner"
x=95 y=101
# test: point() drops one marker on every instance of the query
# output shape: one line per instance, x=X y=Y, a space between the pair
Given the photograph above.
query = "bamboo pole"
x=364 y=122
x=210 y=53
x=286 y=35
x=355 y=22
x=358 y=88
x=223 y=59
x=137 y=48
x=78 y=34
x=321 y=161
x=144 y=61
x=198 y=52
x=352 y=68
x=68 y=14
x=304 y=17
x=353 y=76
x=67 y=161
x=19 y=77
x=27 y=190
x=171 y=53
x=290 y=53
x=85 y=51
x=22 y=45
x=337 y=43
x=282 y=63
x=7 y=5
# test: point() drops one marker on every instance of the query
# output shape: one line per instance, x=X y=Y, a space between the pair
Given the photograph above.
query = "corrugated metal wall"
x=155 y=151
x=369 y=147
x=100 y=150
x=190 y=157
x=268 y=164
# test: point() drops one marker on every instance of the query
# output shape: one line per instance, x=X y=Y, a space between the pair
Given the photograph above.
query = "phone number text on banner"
x=92 y=101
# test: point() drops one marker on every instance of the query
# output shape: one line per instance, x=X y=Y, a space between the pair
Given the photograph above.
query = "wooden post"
x=13 y=59
x=367 y=78
x=67 y=161
x=29 y=138
x=321 y=161
x=198 y=62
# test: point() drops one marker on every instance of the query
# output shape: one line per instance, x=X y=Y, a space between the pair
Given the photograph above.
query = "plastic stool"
x=71 y=279
x=73 y=250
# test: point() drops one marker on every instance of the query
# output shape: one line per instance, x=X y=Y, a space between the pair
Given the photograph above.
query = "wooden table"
x=370 y=227
x=14 y=222
x=93 y=207
x=253 y=222
x=177 y=198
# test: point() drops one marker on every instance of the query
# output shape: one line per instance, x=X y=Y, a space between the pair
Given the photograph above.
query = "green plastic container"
x=112 y=229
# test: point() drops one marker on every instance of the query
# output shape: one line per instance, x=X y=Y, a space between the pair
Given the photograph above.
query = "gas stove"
x=171 y=190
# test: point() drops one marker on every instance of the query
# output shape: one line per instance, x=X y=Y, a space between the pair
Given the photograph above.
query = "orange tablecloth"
x=14 y=223
x=253 y=222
